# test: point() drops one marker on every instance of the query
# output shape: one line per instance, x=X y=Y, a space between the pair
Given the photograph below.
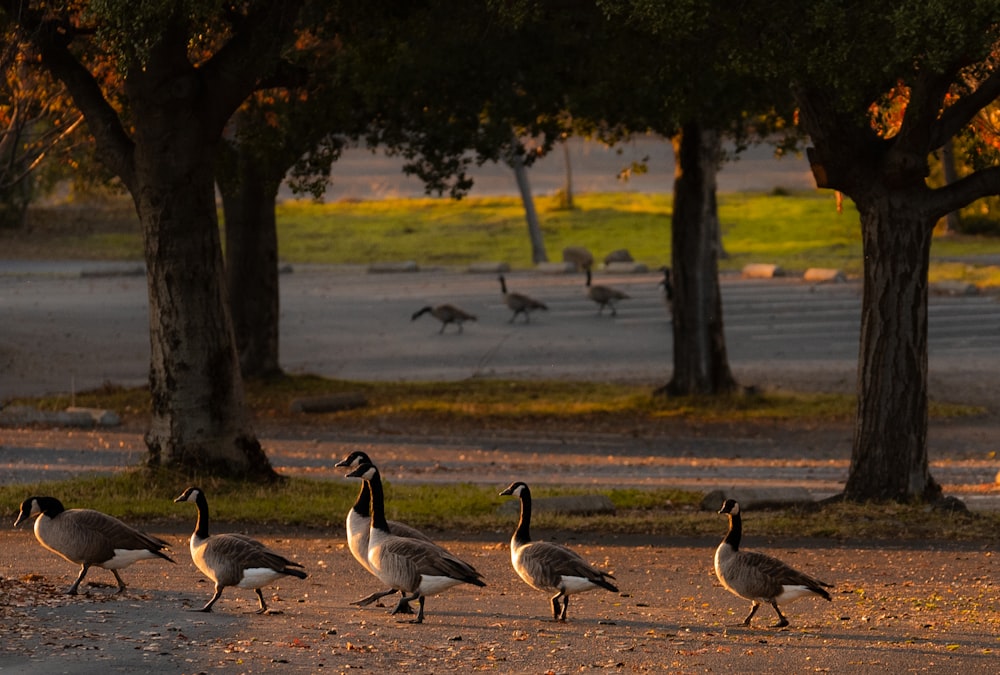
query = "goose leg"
x=443 y=324
x=121 y=584
x=263 y=605
x=782 y=621
x=208 y=606
x=403 y=607
x=753 y=610
x=420 y=612
x=76 y=584
x=562 y=617
x=378 y=595
x=555 y=606
x=614 y=311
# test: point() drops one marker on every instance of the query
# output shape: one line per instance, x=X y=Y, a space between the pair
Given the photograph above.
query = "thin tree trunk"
x=248 y=202
x=953 y=221
x=701 y=364
x=568 y=187
x=538 y=254
x=889 y=454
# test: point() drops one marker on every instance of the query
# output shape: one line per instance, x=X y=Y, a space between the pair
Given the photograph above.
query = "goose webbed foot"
x=403 y=606
x=121 y=584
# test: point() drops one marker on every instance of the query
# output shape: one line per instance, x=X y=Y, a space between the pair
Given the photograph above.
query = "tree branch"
x=261 y=37
x=983 y=183
x=956 y=116
x=113 y=143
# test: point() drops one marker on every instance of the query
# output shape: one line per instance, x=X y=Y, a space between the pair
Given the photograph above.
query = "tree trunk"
x=701 y=365
x=248 y=202
x=538 y=254
x=199 y=419
x=889 y=455
x=953 y=221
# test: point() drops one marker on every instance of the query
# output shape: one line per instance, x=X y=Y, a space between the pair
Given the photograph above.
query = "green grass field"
x=795 y=231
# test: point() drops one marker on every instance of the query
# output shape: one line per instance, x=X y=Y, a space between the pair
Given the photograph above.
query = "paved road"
x=63 y=332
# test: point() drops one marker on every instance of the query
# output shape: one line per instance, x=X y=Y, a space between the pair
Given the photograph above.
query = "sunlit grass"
x=143 y=496
x=596 y=406
x=795 y=231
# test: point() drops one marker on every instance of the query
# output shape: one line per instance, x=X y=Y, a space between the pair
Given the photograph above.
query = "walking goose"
x=234 y=559
x=604 y=296
x=359 y=523
x=413 y=566
x=668 y=286
x=519 y=303
x=445 y=314
x=89 y=538
x=758 y=577
x=550 y=567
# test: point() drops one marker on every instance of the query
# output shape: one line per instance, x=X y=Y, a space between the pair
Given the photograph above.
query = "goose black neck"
x=735 y=531
x=50 y=506
x=522 y=534
x=362 y=506
x=378 y=503
x=201 y=527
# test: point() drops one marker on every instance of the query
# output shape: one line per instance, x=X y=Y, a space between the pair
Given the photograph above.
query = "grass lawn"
x=797 y=231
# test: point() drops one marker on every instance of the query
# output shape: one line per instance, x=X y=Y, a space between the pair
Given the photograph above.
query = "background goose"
x=758 y=577
x=445 y=314
x=419 y=568
x=234 y=559
x=359 y=523
x=89 y=538
x=668 y=286
x=604 y=296
x=519 y=303
x=549 y=567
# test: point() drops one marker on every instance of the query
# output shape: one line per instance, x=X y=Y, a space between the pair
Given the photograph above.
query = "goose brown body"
x=604 y=296
x=415 y=567
x=89 y=538
x=358 y=528
x=519 y=303
x=446 y=314
x=550 y=567
x=757 y=577
x=234 y=559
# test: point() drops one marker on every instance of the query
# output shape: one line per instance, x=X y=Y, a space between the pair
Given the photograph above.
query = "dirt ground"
x=895 y=609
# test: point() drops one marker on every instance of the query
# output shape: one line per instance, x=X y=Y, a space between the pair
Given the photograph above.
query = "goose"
x=519 y=303
x=604 y=296
x=89 y=538
x=445 y=314
x=757 y=577
x=668 y=285
x=550 y=567
x=359 y=527
x=413 y=566
x=234 y=559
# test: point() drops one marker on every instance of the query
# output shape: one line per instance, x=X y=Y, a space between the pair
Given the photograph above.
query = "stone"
x=620 y=255
x=566 y=504
x=580 y=256
x=762 y=271
x=759 y=498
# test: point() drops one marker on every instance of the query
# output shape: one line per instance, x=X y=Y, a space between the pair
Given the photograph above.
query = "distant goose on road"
x=758 y=577
x=415 y=567
x=519 y=303
x=550 y=567
x=445 y=314
x=604 y=296
x=89 y=538
x=359 y=524
x=234 y=559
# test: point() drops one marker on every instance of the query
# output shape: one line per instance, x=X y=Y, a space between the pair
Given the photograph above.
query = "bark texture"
x=701 y=364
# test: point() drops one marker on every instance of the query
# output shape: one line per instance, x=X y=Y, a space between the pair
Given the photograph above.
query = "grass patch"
x=143 y=496
x=796 y=231
x=430 y=407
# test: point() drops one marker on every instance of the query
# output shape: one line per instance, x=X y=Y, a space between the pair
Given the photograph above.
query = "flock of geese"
x=524 y=305
x=403 y=559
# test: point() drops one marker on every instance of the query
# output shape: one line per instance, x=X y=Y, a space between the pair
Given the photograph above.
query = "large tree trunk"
x=248 y=202
x=701 y=365
x=199 y=418
x=889 y=455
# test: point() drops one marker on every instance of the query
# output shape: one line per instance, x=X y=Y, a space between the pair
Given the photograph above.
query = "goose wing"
x=242 y=552
x=109 y=533
x=428 y=559
x=771 y=575
x=549 y=563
